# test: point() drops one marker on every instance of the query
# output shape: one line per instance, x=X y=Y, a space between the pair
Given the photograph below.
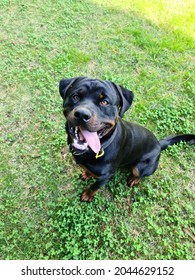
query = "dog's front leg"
x=89 y=193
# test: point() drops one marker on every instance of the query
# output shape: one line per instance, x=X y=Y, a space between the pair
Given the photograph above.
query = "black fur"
x=97 y=105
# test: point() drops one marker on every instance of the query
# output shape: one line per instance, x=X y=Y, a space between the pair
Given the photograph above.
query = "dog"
x=100 y=140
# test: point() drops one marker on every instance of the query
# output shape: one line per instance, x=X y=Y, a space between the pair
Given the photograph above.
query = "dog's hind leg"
x=143 y=168
x=86 y=175
x=134 y=178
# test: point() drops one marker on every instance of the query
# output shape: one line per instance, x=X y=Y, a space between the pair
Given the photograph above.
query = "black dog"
x=100 y=140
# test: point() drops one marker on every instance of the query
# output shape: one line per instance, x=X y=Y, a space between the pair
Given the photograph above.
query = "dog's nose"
x=82 y=115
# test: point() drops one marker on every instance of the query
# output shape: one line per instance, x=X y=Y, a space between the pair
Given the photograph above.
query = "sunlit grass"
x=177 y=15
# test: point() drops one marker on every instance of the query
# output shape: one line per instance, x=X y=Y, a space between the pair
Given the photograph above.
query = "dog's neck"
x=109 y=138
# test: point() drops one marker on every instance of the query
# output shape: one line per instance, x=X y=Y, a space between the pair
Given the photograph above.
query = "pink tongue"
x=92 y=139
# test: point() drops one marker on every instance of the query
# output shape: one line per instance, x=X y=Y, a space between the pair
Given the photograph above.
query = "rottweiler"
x=100 y=140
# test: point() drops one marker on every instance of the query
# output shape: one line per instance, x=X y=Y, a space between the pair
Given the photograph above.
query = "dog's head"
x=92 y=107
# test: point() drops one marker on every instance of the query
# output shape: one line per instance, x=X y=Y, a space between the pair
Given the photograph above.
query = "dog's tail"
x=171 y=140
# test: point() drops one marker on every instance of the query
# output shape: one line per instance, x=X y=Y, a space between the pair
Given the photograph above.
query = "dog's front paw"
x=87 y=195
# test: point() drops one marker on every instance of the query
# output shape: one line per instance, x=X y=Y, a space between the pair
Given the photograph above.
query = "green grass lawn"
x=148 y=48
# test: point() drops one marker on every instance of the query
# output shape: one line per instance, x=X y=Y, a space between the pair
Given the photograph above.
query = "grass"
x=147 y=49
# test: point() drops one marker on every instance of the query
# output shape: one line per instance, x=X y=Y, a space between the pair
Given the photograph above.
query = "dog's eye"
x=104 y=102
x=75 y=97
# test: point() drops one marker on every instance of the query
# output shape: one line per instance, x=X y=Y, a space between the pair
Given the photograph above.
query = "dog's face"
x=92 y=107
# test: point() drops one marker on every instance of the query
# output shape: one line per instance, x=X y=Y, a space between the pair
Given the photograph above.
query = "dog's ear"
x=65 y=84
x=126 y=99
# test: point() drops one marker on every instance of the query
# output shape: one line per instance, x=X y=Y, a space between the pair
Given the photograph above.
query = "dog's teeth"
x=76 y=132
